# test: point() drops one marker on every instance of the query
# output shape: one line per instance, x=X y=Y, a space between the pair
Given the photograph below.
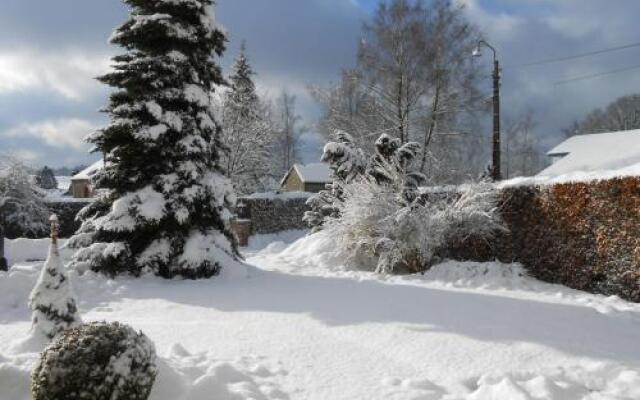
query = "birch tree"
x=288 y=131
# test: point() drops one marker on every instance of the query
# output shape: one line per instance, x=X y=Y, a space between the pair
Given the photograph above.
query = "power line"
x=581 y=55
x=584 y=77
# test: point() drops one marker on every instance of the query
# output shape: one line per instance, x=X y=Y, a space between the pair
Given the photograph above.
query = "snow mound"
x=200 y=376
x=273 y=242
x=479 y=275
x=15 y=286
x=314 y=253
x=602 y=382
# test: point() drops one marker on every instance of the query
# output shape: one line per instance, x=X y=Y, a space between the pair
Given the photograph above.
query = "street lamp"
x=495 y=168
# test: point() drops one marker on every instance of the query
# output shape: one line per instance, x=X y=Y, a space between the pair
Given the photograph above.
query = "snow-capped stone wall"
x=274 y=212
x=268 y=213
x=585 y=235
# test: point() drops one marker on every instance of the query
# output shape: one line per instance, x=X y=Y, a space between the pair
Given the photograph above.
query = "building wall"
x=80 y=188
x=312 y=187
x=293 y=183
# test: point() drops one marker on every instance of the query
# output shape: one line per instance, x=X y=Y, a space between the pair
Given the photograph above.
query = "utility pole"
x=4 y=265
x=496 y=173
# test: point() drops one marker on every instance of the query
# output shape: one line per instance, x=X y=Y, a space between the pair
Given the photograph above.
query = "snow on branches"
x=162 y=184
x=383 y=219
x=52 y=300
x=347 y=162
x=248 y=132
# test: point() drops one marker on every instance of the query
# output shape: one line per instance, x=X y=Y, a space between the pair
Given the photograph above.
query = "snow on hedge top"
x=279 y=195
x=89 y=171
x=313 y=173
x=595 y=152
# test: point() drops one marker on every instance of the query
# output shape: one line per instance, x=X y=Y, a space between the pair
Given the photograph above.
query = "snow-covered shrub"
x=52 y=300
x=98 y=360
x=22 y=205
x=162 y=186
x=347 y=162
x=382 y=232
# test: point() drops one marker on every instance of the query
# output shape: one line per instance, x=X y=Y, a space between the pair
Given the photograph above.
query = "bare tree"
x=350 y=106
x=391 y=58
x=415 y=80
x=451 y=80
x=288 y=130
x=522 y=149
x=620 y=115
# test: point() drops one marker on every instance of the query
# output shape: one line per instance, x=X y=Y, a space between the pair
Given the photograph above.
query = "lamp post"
x=496 y=175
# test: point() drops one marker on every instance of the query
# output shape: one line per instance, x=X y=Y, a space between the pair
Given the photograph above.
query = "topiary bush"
x=97 y=361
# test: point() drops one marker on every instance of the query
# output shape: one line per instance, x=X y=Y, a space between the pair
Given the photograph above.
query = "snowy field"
x=298 y=325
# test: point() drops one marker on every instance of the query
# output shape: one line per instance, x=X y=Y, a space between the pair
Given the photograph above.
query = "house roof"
x=595 y=152
x=88 y=172
x=311 y=173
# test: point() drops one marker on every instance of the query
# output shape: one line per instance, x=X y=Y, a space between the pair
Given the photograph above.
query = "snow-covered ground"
x=301 y=326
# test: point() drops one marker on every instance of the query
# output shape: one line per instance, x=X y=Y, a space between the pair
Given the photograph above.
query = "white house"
x=594 y=152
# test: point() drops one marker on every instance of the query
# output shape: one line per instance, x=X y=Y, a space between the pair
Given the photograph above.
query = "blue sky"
x=51 y=50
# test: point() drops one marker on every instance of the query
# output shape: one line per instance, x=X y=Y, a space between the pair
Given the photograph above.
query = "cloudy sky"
x=51 y=50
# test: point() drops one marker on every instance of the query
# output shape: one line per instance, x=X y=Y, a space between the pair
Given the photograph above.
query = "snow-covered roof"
x=595 y=152
x=312 y=173
x=89 y=171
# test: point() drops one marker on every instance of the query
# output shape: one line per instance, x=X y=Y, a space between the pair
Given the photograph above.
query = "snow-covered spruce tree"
x=52 y=300
x=46 y=179
x=165 y=199
x=347 y=162
x=247 y=132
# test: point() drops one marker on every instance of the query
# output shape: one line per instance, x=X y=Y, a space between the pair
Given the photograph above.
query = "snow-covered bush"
x=163 y=190
x=52 y=300
x=22 y=206
x=382 y=232
x=98 y=360
x=347 y=162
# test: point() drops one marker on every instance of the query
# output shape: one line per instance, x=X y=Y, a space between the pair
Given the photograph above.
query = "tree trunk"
x=430 y=128
x=400 y=109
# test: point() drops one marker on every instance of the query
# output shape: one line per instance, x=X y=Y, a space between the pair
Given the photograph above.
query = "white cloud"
x=497 y=25
x=68 y=73
x=58 y=133
x=25 y=155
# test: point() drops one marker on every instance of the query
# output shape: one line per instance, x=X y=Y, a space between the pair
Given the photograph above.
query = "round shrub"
x=97 y=361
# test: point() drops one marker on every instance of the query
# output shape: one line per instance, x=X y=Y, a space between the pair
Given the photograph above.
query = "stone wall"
x=274 y=212
x=266 y=212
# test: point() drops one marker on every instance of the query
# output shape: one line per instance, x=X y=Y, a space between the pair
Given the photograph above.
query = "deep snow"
x=301 y=326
